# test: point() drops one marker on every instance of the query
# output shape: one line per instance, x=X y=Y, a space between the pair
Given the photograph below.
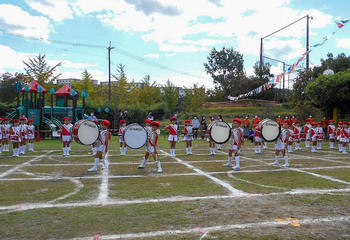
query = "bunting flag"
x=270 y=84
x=340 y=25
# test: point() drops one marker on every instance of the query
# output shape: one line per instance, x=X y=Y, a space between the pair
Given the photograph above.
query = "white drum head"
x=135 y=136
x=270 y=130
x=220 y=132
x=88 y=132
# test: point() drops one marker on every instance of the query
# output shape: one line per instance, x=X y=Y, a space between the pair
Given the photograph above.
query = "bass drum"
x=85 y=132
x=220 y=132
x=269 y=130
x=135 y=136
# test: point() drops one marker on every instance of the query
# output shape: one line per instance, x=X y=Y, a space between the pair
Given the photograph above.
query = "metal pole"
x=307 y=41
x=109 y=73
x=261 y=52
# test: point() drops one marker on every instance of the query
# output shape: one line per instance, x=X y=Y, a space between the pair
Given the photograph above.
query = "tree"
x=194 y=98
x=299 y=100
x=149 y=93
x=328 y=92
x=171 y=96
x=94 y=99
x=121 y=89
x=339 y=64
x=37 y=69
x=226 y=69
x=7 y=86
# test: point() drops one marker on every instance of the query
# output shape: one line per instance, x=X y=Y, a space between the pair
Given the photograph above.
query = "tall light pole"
x=109 y=72
x=307 y=39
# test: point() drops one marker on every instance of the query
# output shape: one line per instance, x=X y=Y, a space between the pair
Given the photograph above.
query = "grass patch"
x=16 y=192
x=135 y=188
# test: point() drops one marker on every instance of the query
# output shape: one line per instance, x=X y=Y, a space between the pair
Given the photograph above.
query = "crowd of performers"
x=312 y=133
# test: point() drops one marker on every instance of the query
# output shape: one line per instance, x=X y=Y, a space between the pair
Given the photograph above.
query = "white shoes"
x=227 y=165
x=236 y=168
x=275 y=164
x=159 y=170
x=285 y=165
x=93 y=169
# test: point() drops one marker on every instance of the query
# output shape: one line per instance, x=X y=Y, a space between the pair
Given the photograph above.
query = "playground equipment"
x=48 y=118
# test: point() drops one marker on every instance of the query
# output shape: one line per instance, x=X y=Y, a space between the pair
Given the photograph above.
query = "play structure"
x=31 y=103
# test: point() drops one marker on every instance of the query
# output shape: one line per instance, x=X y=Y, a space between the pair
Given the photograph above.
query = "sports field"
x=46 y=196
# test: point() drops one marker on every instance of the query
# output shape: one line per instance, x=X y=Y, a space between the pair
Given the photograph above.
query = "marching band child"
x=281 y=142
x=94 y=145
x=313 y=136
x=209 y=140
x=148 y=126
x=307 y=128
x=188 y=137
x=338 y=134
x=24 y=131
x=15 y=137
x=290 y=139
x=331 y=131
x=221 y=120
x=257 y=138
x=296 y=135
x=121 y=137
x=66 y=135
x=172 y=128
x=151 y=146
x=31 y=133
x=344 y=137
x=102 y=146
x=235 y=144
x=320 y=136
x=6 y=135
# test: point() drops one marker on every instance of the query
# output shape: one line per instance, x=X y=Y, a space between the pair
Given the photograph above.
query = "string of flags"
x=273 y=81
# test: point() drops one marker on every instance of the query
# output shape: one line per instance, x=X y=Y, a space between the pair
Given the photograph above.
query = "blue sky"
x=175 y=34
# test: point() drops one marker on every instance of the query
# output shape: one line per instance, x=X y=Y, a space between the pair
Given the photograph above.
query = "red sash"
x=65 y=131
x=172 y=130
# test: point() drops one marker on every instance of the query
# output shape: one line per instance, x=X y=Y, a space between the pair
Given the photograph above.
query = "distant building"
x=69 y=81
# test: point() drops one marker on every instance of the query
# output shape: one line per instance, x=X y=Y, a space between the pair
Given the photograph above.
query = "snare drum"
x=85 y=132
x=135 y=136
x=269 y=130
x=220 y=132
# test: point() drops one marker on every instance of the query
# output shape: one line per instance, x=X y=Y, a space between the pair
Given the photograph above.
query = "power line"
x=122 y=51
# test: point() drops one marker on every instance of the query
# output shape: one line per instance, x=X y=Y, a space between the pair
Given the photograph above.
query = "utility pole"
x=261 y=53
x=307 y=41
x=109 y=73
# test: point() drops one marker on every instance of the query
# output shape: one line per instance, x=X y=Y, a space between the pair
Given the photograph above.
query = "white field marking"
x=306 y=172
x=30 y=206
x=316 y=157
x=19 y=166
x=46 y=178
x=20 y=171
x=220 y=228
x=78 y=186
x=229 y=174
x=103 y=195
x=321 y=176
x=231 y=189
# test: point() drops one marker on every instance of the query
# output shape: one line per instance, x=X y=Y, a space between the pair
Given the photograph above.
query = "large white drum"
x=220 y=132
x=269 y=130
x=85 y=132
x=135 y=136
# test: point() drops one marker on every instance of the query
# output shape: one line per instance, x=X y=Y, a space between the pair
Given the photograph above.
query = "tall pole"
x=261 y=53
x=109 y=72
x=307 y=41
